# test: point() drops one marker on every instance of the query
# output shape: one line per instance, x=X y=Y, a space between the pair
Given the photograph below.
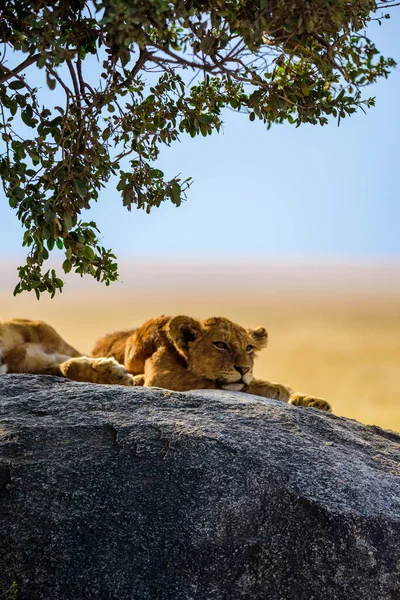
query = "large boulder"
x=114 y=493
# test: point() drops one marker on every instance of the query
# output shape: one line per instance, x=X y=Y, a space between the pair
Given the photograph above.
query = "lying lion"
x=177 y=353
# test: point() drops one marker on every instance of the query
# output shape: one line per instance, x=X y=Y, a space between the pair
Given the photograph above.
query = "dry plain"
x=334 y=329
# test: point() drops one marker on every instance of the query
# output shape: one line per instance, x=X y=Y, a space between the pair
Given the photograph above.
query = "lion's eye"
x=249 y=348
x=220 y=345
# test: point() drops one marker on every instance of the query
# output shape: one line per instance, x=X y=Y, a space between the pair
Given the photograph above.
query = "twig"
x=60 y=81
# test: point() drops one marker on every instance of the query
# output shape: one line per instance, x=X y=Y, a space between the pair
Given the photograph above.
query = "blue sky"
x=307 y=194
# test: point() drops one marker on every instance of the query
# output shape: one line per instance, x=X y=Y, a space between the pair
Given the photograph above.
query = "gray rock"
x=114 y=493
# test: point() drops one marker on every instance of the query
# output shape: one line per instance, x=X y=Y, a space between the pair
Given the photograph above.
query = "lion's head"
x=217 y=349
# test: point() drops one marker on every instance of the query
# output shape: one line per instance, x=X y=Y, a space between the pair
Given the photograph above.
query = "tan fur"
x=28 y=346
x=179 y=353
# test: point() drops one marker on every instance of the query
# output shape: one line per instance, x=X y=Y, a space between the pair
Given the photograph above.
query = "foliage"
x=135 y=76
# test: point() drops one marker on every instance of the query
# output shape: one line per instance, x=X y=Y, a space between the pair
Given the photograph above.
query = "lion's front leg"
x=267 y=389
x=95 y=370
x=277 y=391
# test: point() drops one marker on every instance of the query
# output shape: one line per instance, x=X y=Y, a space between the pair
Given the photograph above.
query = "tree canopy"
x=134 y=76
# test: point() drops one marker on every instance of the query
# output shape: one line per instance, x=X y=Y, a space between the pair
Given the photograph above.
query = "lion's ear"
x=183 y=330
x=259 y=336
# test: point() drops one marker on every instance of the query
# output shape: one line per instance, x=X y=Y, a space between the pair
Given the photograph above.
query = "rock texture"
x=113 y=493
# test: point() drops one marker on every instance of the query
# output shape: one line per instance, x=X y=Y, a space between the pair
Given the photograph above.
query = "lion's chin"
x=233 y=387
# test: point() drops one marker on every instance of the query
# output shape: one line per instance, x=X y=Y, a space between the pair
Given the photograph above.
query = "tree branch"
x=75 y=82
x=143 y=56
x=9 y=73
x=330 y=53
x=80 y=77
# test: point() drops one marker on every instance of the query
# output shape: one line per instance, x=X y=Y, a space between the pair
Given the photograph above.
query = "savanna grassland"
x=334 y=330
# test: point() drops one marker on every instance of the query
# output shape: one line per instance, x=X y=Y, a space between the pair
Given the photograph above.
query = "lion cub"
x=181 y=353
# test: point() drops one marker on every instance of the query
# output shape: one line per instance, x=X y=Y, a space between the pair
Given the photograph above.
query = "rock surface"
x=113 y=493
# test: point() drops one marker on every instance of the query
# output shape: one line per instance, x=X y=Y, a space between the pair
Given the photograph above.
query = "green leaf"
x=50 y=81
x=156 y=174
x=26 y=116
x=176 y=194
x=340 y=96
x=81 y=188
x=41 y=61
x=207 y=119
x=59 y=244
x=19 y=193
x=67 y=266
x=16 y=84
x=207 y=44
x=88 y=253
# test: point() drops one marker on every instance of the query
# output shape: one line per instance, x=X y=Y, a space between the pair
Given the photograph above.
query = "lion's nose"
x=242 y=370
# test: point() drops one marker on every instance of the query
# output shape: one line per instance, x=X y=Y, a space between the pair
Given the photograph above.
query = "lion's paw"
x=96 y=370
x=138 y=380
x=310 y=402
x=111 y=371
x=281 y=392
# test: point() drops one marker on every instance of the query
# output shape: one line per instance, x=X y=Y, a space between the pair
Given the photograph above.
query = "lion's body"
x=28 y=346
x=176 y=353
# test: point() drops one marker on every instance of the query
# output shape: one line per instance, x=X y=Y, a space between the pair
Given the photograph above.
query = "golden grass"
x=342 y=345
